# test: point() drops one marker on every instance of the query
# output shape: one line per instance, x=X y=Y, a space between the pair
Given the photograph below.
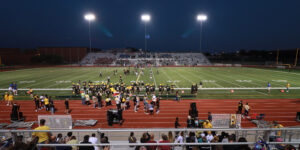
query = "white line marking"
x=154 y=78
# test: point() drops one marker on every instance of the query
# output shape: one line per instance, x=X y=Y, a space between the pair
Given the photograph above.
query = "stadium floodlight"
x=90 y=17
x=146 y=18
x=201 y=18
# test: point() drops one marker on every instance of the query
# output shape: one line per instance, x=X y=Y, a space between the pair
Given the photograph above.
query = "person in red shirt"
x=164 y=140
x=151 y=141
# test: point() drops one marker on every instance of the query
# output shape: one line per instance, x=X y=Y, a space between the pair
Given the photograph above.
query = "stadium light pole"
x=90 y=17
x=201 y=18
x=146 y=18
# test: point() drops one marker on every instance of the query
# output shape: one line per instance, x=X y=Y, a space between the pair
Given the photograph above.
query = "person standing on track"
x=99 y=97
x=209 y=117
x=157 y=104
x=177 y=96
x=247 y=109
x=240 y=107
x=6 y=98
x=83 y=98
x=46 y=99
x=177 y=122
x=67 y=106
x=10 y=99
x=269 y=87
x=37 y=102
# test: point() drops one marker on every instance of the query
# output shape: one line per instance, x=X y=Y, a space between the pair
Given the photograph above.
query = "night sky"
x=231 y=24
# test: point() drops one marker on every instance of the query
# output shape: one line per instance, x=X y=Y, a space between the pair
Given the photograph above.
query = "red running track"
x=282 y=110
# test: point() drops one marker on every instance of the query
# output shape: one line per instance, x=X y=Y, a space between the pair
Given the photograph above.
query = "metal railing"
x=288 y=135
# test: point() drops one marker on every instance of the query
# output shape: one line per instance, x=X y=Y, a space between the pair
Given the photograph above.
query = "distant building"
x=69 y=54
x=14 y=56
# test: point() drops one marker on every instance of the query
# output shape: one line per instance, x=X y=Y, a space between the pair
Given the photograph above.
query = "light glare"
x=90 y=17
x=201 y=17
x=146 y=17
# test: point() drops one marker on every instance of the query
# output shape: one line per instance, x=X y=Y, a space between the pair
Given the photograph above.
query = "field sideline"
x=251 y=81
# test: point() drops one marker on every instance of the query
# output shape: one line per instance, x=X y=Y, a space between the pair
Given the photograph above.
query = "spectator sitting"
x=151 y=141
x=86 y=141
x=243 y=147
x=63 y=147
x=94 y=140
x=189 y=122
x=164 y=140
x=73 y=141
x=204 y=147
x=279 y=146
x=179 y=139
x=191 y=139
x=231 y=139
x=131 y=138
x=104 y=140
x=170 y=137
x=59 y=138
x=209 y=137
x=68 y=137
x=19 y=144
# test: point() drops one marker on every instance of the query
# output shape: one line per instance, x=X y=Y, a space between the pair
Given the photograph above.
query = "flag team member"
x=6 y=98
x=269 y=87
x=287 y=87
x=46 y=100
x=10 y=99
x=37 y=102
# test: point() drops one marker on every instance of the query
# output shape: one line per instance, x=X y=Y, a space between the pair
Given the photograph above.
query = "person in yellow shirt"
x=10 y=99
x=277 y=125
x=207 y=124
x=46 y=99
x=288 y=87
x=30 y=92
x=6 y=98
x=43 y=136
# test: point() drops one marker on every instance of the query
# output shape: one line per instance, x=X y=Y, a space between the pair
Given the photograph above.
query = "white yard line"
x=234 y=88
x=169 y=77
x=154 y=78
x=205 y=75
x=294 y=78
x=71 y=79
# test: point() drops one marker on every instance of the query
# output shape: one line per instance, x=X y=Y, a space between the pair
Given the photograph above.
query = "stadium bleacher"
x=134 y=58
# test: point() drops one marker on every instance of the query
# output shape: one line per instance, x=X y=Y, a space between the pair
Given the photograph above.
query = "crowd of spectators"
x=105 y=61
x=158 y=59
x=19 y=143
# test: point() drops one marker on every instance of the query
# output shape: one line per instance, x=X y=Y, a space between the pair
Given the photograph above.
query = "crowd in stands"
x=104 y=61
x=134 y=58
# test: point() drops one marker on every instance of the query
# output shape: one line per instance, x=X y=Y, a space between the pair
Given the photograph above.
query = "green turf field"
x=216 y=78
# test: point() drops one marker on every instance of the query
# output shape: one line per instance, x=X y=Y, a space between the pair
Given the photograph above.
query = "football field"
x=217 y=81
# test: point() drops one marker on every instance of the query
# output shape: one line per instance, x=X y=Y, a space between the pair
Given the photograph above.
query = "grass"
x=181 y=77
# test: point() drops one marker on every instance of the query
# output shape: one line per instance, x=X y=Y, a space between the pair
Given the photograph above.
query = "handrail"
x=154 y=130
x=171 y=144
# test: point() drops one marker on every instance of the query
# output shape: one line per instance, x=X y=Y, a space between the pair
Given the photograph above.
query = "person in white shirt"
x=94 y=140
x=179 y=139
x=247 y=108
x=154 y=99
x=209 y=137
